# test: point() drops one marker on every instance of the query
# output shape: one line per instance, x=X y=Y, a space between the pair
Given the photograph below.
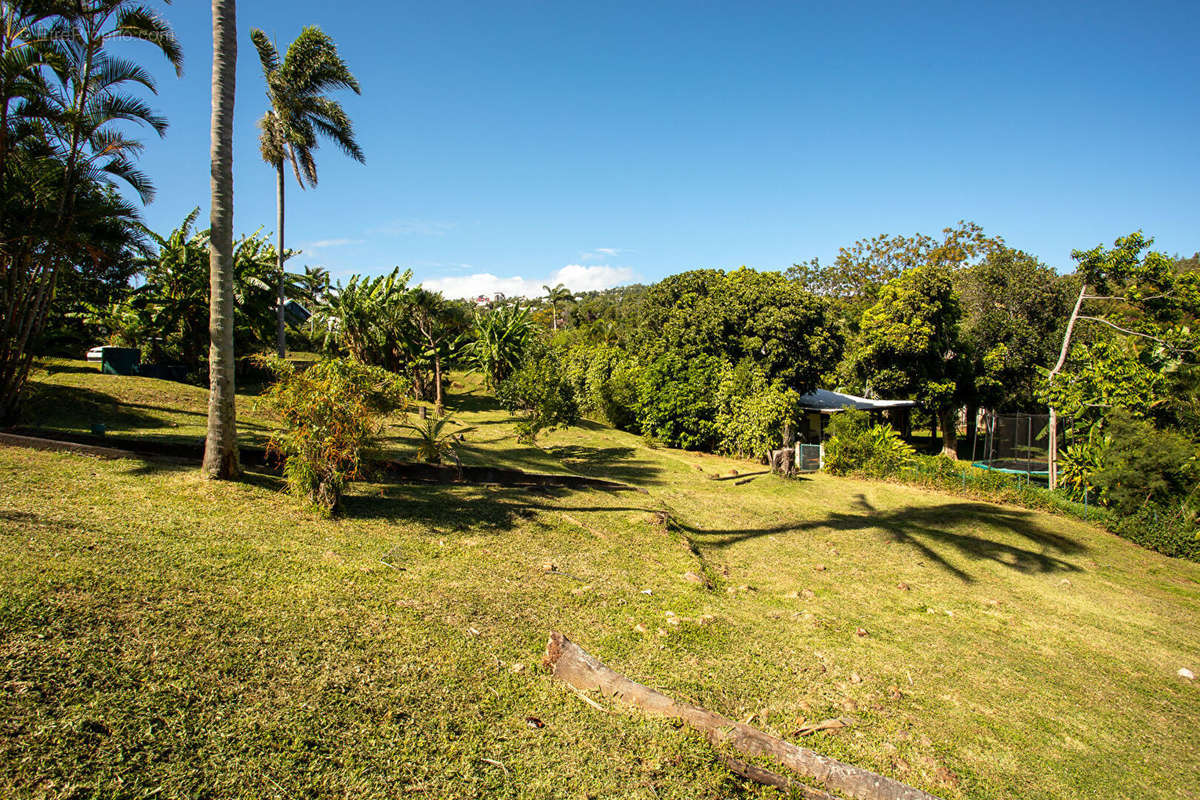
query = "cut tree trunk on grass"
x=573 y=665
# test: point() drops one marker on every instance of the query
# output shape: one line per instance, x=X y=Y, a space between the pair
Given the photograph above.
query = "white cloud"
x=325 y=244
x=576 y=277
x=599 y=253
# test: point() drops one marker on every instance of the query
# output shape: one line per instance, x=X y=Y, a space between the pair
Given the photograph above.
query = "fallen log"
x=574 y=666
x=768 y=778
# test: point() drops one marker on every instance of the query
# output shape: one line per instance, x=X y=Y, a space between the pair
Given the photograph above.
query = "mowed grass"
x=162 y=635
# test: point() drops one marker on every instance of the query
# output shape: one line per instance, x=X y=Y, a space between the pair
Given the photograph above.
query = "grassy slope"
x=162 y=632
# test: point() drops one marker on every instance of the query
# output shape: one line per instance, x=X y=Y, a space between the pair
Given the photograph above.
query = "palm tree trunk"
x=281 y=330
x=220 y=446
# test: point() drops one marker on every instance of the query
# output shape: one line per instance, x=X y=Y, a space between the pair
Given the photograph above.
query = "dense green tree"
x=1143 y=466
x=540 y=391
x=744 y=314
x=859 y=272
x=677 y=400
x=1014 y=309
x=301 y=114
x=909 y=346
x=1147 y=306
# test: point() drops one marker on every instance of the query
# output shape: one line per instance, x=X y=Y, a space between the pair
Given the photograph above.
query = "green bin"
x=119 y=360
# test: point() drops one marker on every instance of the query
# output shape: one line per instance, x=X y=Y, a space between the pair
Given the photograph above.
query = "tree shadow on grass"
x=473 y=400
x=51 y=405
x=935 y=531
x=614 y=463
x=467 y=508
x=59 y=368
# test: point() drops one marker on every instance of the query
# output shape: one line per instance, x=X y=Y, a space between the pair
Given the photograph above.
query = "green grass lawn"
x=166 y=636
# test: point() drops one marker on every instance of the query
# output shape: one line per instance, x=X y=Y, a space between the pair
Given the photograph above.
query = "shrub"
x=1078 y=465
x=1143 y=466
x=857 y=446
x=1171 y=530
x=540 y=391
x=332 y=413
x=677 y=401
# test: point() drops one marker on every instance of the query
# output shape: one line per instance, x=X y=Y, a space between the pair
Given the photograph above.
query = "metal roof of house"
x=825 y=400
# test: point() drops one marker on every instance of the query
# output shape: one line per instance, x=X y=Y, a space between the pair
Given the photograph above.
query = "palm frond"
x=144 y=23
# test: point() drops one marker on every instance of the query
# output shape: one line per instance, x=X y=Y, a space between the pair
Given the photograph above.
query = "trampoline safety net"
x=1014 y=443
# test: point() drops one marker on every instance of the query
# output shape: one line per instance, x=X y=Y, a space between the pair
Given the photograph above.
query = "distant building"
x=820 y=404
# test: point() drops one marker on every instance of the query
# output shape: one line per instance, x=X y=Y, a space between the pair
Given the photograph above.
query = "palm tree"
x=556 y=295
x=64 y=102
x=314 y=284
x=220 y=446
x=300 y=113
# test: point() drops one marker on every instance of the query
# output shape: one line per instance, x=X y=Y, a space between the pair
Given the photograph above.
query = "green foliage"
x=502 y=337
x=170 y=309
x=1014 y=309
x=856 y=446
x=744 y=314
x=909 y=342
x=435 y=438
x=605 y=380
x=69 y=93
x=677 y=400
x=1142 y=466
x=1170 y=529
x=330 y=415
x=1079 y=463
x=541 y=392
x=854 y=280
x=301 y=110
x=1101 y=376
x=752 y=412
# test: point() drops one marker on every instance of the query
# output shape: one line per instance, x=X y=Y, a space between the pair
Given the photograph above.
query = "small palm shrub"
x=331 y=415
x=436 y=439
x=855 y=446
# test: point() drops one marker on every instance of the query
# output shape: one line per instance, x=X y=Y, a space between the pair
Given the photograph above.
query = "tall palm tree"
x=220 y=447
x=557 y=294
x=300 y=113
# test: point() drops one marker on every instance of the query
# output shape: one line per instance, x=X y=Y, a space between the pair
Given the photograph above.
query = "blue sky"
x=513 y=144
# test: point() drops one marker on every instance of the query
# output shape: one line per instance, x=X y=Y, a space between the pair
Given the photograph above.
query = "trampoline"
x=1015 y=444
